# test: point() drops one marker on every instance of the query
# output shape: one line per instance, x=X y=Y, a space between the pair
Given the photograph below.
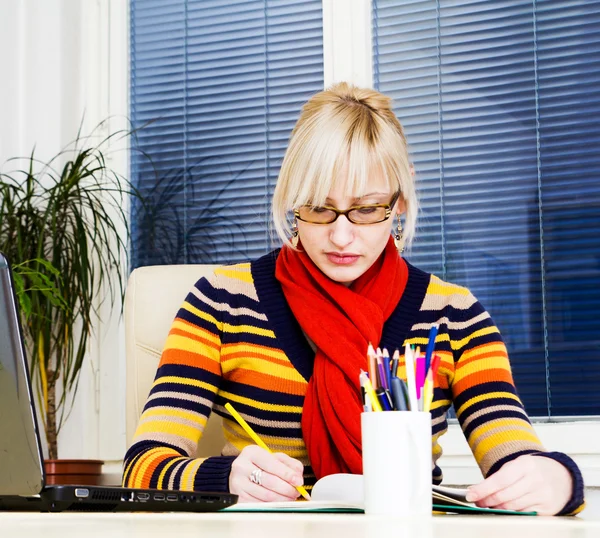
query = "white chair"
x=154 y=295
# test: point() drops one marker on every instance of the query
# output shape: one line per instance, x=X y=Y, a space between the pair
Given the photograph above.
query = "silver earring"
x=294 y=238
x=398 y=238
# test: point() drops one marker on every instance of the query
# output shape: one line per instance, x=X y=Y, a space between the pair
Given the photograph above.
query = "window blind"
x=216 y=87
x=501 y=105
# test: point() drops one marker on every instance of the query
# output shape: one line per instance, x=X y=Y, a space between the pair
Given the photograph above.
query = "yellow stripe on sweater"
x=181 y=343
x=243 y=275
x=202 y=315
x=164 y=471
x=263 y=366
x=187 y=478
x=231 y=349
x=250 y=329
x=152 y=455
x=437 y=287
x=499 y=363
x=492 y=347
x=242 y=442
x=184 y=381
x=226 y=327
x=269 y=440
x=510 y=425
x=495 y=442
x=423 y=341
x=196 y=331
x=260 y=405
x=165 y=427
x=457 y=344
x=175 y=412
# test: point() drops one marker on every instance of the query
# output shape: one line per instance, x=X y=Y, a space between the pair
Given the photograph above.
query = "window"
x=500 y=101
x=216 y=87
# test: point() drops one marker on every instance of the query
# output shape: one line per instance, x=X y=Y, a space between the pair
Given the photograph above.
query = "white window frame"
x=347 y=43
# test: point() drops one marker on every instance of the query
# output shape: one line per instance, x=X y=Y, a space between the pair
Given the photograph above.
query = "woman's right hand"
x=277 y=473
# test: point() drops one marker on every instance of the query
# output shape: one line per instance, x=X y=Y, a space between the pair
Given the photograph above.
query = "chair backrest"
x=154 y=295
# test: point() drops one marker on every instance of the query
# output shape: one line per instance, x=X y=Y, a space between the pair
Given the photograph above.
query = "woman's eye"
x=318 y=209
x=367 y=210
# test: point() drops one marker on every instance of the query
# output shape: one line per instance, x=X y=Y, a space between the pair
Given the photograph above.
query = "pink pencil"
x=420 y=376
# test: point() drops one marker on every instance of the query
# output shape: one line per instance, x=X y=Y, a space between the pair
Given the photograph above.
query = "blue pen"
x=430 y=346
x=399 y=394
x=384 y=399
x=386 y=365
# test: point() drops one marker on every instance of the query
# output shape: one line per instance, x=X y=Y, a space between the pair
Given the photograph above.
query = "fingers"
x=528 y=483
x=525 y=503
x=292 y=463
x=272 y=464
x=509 y=495
x=271 y=489
x=509 y=474
x=278 y=474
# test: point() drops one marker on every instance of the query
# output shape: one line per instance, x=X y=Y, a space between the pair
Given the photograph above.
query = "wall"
x=61 y=70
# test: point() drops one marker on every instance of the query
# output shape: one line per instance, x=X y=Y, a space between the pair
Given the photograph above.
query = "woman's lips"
x=342 y=258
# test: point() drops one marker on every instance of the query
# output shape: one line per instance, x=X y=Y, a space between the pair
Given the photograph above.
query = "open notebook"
x=344 y=493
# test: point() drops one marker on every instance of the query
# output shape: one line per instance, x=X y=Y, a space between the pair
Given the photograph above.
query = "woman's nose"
x=342 y=231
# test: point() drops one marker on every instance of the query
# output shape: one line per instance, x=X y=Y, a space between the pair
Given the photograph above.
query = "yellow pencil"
x=428 y=392
x=258 y=441
x=371 y=394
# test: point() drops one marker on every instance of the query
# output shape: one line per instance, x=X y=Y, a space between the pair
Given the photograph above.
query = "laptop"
x=22 y=478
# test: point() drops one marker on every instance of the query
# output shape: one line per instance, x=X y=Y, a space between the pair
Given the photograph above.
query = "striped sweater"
x=235 y=339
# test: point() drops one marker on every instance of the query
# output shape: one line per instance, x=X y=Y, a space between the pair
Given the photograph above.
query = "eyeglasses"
x=359 y=214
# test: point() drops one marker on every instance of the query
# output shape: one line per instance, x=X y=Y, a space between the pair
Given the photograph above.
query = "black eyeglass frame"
x=346 y=212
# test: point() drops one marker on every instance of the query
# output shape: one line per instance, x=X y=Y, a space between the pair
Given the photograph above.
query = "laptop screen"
x=21 y=470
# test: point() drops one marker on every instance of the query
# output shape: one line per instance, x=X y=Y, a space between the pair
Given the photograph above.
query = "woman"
x=284 y=337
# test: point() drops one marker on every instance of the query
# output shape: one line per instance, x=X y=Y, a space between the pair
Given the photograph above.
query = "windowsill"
x=579 y=439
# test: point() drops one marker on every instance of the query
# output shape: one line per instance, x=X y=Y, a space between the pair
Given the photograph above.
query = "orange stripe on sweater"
x=254 y=352
x=185 y=358
x=479 y=356
x=151 y=469
x=133 y=481
x=267 y=382
x=194 y=337
x=472 y=380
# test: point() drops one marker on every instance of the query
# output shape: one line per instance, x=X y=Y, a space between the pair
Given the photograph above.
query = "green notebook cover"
x=340 y=507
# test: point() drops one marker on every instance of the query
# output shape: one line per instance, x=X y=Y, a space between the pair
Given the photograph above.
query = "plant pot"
x=74 y=472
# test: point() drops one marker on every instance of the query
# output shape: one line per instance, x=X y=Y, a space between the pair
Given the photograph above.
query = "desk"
x=222 y=525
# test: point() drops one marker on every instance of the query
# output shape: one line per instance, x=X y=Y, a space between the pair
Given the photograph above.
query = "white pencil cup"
x=397 y=462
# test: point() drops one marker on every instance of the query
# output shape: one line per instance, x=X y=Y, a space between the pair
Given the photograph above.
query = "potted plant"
x=63 y=226
x=164 y=234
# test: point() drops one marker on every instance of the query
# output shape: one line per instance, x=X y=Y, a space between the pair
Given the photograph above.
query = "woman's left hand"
x=528 y=483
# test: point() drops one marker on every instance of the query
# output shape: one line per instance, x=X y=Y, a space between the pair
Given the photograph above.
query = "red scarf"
x=341 y=321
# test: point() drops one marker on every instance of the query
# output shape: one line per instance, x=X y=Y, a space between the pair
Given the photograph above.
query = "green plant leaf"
x=63 y=226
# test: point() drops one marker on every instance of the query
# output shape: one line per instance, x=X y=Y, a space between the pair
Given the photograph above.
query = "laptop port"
x=128 y=496
x=159 y=496
x=172 y=497
x=143 y=496
x=82 y=493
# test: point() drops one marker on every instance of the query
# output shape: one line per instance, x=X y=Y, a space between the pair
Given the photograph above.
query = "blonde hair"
x=343 y=125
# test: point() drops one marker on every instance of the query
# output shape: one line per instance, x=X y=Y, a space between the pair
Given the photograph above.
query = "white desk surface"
x=257 y=525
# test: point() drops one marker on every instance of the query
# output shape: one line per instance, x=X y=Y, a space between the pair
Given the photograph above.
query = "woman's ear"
x=400 y=206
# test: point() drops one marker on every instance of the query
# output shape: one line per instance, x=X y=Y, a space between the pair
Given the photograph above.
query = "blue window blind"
x=501 y=105
x=216 y=87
